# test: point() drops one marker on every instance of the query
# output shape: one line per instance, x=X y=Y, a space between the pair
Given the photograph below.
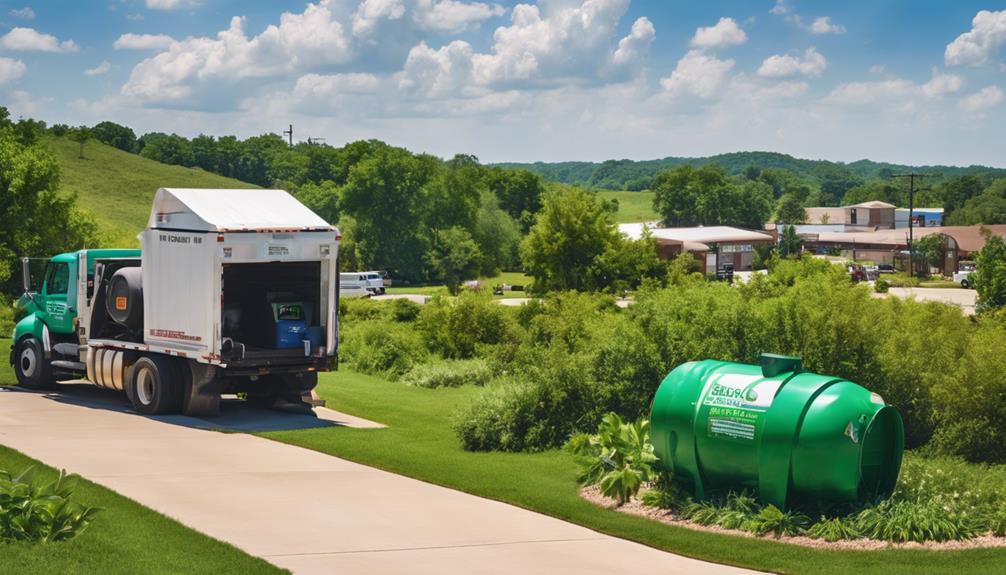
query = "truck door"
x=59 y=312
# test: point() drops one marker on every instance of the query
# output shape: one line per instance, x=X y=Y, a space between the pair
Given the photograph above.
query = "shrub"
x=34 y=511
x=405 y=310
x=451 y=373
x=457 y=328
x=881 y=286
x=665 y=494
x=383 y=347
x=619 y=457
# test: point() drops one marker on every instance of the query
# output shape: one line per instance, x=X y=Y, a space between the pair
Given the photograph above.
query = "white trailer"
x=235 y=291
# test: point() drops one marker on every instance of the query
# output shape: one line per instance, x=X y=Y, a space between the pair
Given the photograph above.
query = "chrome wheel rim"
x=28 y=361
x=145 y=386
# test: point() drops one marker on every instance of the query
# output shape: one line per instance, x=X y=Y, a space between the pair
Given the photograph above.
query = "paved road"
x=304 y=510
x=965 y=298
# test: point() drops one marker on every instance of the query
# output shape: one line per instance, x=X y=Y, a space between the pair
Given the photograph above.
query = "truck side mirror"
x=25 y=275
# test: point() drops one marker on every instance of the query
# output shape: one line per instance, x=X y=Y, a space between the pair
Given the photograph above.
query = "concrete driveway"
x=304 y=510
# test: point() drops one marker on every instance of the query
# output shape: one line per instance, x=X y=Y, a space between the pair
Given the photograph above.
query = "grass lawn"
x=117 y=187
x=632 y=206
x=513 y=278
x=125 y=537
x=420 y=443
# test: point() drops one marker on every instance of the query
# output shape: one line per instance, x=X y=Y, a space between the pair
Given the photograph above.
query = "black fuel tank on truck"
x=125 y=298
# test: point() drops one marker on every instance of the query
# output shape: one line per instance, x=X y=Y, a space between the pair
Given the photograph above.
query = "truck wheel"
x=154 y=385
x=965 y=284
x=30 y=365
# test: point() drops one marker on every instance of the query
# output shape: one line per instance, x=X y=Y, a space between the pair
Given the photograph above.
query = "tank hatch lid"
x=773 y=364
x=226 y=210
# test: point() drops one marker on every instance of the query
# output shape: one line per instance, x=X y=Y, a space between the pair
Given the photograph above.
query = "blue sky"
x=913 y=82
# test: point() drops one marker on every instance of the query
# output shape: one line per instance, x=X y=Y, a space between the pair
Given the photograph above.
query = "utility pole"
x=911 y=214
x=289 y=132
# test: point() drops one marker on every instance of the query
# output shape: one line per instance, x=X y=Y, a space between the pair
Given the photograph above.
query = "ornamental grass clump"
x=31 y=510
x=450 y=373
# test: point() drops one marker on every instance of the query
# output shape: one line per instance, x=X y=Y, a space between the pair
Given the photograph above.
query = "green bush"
x=770 y=519
x=405 y=310
x=457 y=328
x=834 y=529
x=451 y=373
x=619 y=457
x=383 y=347
x=34 y=511
x=881 y=286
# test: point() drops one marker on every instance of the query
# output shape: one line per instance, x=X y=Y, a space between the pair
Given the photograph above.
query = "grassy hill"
x=117 y=188
x=632 y=206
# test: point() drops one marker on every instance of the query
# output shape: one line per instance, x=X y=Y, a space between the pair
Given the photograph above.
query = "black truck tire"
x=154 y=385
x=30 y=365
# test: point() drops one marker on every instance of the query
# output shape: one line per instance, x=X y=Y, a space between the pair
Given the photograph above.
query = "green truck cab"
x=45 y=343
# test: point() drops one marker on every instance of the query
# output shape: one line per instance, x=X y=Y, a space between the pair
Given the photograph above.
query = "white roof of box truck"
x=213 y=210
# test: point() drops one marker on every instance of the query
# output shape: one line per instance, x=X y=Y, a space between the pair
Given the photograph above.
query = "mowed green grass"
x=117 y=187
x=632 y=206
x=125 y=536
x=419 y=442
x=512 y=278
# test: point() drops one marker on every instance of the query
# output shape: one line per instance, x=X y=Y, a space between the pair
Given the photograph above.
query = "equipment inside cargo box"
x=272 y=305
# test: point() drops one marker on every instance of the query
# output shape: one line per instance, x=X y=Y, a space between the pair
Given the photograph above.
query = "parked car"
x=885 y=268
x=963 y=274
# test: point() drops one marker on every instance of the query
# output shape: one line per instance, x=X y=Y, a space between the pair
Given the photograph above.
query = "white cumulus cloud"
x=976 y=46
x=824 y=25
x=99 y=70
x=11 y=70
x=983 y=99
x=29 y=39
x=451 y=16
x=636 y=43
x=779 y=66
x=726 y=32
x=942 y=84
x=698 y=74
x=327 y=86
x=143 y=42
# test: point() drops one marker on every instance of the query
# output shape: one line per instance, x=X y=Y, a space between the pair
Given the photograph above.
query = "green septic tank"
x=794 y=436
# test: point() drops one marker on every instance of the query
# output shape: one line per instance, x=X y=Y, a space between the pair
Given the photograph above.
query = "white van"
x=359 y=284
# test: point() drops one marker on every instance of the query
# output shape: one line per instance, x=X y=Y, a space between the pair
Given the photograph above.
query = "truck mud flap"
x=202 y=390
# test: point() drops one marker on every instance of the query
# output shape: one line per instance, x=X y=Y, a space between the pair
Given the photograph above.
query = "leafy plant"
x=881 y=286
x=451 y=373
x=834 y=529
x=34 y=511
x=701 y=512
x=619 y=457
x=773 y=520
x=664 y=494
x=900 y=521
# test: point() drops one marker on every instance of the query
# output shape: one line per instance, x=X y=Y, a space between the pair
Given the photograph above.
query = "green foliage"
x=834 y=529
x=900 y=521
x=619 y=457
x=790 y=243
x=38 y=220
x=686 y=196
x=989 y=277
x=790 y=210
x=881 y=285
x=383 y=347
x=454 y=258
x=457 y=328
x=451 y=373
x=80 y=135
x=167 y=149
x=770 y=519
x=31 y=510
x=988 y=207
x=115 y=135
x=405 y=310
x=664 y=494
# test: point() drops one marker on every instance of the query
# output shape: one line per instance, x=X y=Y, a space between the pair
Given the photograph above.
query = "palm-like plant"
x=34 y=511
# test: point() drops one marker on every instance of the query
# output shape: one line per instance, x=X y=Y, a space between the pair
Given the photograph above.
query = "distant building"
x=712 y=245
x=924 y=217
x=858 y=217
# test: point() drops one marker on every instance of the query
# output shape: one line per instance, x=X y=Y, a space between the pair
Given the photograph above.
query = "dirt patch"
x=636 y=507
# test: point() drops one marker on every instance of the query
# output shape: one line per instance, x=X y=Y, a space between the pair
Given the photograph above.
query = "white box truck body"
x=239 y=292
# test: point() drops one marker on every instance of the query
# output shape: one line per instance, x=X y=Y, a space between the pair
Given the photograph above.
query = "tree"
x=205 y=153
x=929 y=252
x=38 y=220
x=570 y=232
x=835 y=180
x=519 y=192
x=167 y=149
x=497 y=235
x=791 y=244
x=989 y=207
x=790 y=210
x=455 y=258
x=80 y=134
x=686 y=196
x=956 y=191
x=989 y=277
x=115 y=135
x=322 y=198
